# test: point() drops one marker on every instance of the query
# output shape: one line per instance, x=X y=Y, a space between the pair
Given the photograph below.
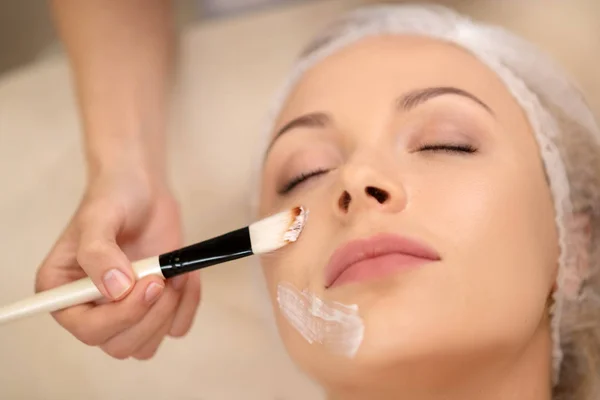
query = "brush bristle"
x=276 y=231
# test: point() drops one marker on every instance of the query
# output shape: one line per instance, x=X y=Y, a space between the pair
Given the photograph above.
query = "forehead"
x=371 y=73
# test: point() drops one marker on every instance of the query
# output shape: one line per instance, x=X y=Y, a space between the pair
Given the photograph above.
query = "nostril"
x=344 y=201
x=380 y=195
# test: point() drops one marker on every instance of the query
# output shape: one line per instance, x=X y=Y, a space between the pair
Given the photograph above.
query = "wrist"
x=130 y=162
x=127 y=182
x=140 y=153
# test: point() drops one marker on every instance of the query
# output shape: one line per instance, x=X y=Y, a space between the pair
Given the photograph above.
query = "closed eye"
x=449 y=148
x=301 y=178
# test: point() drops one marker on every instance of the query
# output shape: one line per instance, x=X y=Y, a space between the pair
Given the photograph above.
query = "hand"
x=122 y=217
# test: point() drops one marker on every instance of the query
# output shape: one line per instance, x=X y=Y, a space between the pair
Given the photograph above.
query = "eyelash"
x=304 y=176
x=448 y=148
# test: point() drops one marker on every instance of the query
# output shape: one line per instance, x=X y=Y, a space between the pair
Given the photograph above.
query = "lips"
x=376 y=257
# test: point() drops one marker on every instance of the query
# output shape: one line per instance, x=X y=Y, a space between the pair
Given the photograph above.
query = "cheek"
x=497 y=235
x=497 y=212
x=267 y=199
x=301 y=265
x=302 y=262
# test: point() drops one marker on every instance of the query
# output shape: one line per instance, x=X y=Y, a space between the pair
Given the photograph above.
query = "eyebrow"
x=312 y=120
x=417 y=97
x=406 y=102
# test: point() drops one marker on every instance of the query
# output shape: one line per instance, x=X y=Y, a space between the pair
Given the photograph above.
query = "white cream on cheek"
x=336 y=326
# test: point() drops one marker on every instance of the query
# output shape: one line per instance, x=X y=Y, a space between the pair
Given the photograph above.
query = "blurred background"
x=26 y=30
x=234 y=54
x=565 y=28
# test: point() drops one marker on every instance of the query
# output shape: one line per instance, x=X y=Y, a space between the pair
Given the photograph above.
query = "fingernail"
x=116 y=283
x=178 y=282
x=153 y=291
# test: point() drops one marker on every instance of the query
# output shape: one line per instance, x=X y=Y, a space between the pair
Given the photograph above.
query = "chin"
x=413 y=351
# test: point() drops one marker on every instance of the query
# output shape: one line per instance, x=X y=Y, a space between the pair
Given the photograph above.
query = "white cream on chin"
x=334 y=325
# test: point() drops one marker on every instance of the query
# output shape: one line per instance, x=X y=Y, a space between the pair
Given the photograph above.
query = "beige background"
x=26 y=29
x=229 y=70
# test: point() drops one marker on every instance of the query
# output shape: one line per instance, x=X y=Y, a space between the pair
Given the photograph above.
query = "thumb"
x=100 y=257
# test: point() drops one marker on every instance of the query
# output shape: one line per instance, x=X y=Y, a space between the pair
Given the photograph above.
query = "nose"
x=364 y=187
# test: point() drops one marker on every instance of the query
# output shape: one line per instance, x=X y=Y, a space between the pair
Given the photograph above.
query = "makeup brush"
x=264 y=236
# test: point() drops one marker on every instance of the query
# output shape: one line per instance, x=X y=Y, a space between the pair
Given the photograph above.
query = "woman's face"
x=417 y=140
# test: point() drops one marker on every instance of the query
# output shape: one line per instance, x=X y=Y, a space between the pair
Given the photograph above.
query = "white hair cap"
x=564 y=126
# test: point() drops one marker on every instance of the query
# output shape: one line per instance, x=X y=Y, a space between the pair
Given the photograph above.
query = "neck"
x=526 y=377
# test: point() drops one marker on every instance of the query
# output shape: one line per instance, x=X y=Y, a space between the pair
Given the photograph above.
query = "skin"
x=474 y=325
x=121 y=53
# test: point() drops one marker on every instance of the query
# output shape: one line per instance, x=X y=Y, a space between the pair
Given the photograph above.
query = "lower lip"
x=378 y=267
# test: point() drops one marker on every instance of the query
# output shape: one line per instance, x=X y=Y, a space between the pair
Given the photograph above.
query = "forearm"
x=121 y=53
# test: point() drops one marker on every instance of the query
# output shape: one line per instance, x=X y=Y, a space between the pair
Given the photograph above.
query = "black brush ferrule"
x=227 y=247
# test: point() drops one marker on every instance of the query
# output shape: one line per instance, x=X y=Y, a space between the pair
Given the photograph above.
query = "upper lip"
x=376 y=246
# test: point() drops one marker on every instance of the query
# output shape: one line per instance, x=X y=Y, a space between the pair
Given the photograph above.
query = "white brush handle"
x=74 y=293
